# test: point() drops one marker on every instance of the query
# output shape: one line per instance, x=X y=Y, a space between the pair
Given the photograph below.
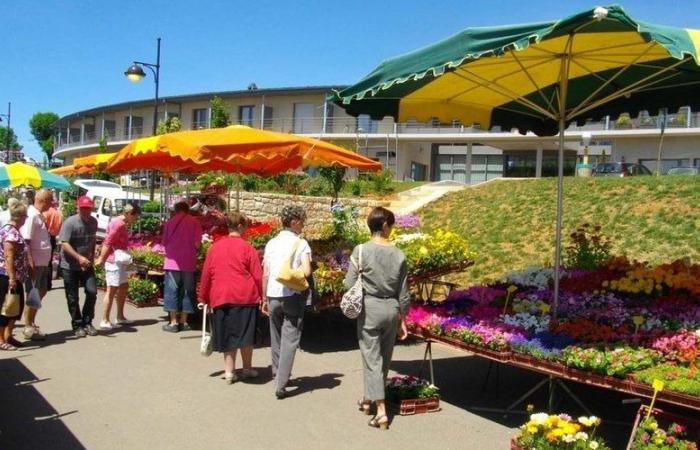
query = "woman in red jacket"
x=231 y=285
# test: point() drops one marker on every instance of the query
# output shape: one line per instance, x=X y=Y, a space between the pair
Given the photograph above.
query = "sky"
x=66 y=56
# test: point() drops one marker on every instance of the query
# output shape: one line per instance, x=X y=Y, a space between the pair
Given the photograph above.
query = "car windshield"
x=608 y=168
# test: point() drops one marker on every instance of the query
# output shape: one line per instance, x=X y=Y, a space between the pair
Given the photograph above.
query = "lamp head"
x=135 y=73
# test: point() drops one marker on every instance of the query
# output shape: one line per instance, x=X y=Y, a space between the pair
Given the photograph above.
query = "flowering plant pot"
x=662 y=430
x=412 y=395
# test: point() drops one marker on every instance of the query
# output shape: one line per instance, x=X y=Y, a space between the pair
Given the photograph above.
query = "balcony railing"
x=351 y=125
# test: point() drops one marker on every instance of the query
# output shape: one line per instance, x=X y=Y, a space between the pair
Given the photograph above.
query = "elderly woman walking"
x=116 y=277
x=231 y=284
x=13 y=269
x=386 y=300
x=285 y=306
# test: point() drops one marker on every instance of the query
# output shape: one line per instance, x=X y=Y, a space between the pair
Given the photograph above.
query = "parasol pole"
x=663 y=113
x=563 y=87
x=238 y=190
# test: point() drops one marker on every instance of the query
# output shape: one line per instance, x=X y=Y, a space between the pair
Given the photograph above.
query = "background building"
x=417 y=151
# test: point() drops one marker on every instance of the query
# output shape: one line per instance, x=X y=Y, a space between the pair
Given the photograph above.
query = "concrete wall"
x=263 y=206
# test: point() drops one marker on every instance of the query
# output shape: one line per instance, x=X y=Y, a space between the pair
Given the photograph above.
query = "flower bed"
x=613 y=337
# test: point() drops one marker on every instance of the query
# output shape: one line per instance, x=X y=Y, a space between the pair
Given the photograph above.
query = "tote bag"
x=351 y=303
x=206 y=347
x=292 y=278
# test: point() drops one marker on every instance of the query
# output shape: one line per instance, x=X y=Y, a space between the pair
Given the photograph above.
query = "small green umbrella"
x=20 y=174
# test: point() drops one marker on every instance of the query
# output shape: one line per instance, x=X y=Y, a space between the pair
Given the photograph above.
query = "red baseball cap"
x=84 y=202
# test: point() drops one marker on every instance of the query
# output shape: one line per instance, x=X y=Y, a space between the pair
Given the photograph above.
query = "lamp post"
x=135 y=74
x=7 y=134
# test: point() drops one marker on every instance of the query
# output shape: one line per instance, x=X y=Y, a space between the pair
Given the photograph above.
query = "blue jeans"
x=179 y=291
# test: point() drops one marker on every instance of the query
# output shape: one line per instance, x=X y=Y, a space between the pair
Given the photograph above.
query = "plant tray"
x=440 y=271
x=148 y=304
x=665 y=419
x=411 y=406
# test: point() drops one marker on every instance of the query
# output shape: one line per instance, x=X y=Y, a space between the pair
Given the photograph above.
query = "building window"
x=136 y=127
x=304 y=118
x=246 y=114
x=418 y=171
x=110 y=129
x=200 y=118
x=365 y=124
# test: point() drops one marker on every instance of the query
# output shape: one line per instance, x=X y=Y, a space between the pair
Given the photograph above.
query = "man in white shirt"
x=36 y=235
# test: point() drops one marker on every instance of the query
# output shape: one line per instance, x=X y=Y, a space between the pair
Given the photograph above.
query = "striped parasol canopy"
x=21 y=174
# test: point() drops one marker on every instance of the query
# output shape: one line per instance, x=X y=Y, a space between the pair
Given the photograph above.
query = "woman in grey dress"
x=386 y=301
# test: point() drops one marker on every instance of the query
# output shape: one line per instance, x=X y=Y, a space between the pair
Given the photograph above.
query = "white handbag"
x=206 y=346
x=351 y=303
x=122 y=258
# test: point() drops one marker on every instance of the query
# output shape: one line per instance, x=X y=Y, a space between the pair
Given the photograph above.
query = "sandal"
x=365 y=406
x=381 y=422
x=7 y=347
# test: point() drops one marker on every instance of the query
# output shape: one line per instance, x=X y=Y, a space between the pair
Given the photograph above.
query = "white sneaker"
x=106 y=325
x=124 y=321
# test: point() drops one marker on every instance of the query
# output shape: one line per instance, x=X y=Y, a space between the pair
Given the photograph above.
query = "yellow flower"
x=512 y=288
x=532 y=429
x=423 y=251
x=593 y=445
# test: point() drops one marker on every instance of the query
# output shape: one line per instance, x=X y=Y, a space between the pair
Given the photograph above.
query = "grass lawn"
x=511 y=223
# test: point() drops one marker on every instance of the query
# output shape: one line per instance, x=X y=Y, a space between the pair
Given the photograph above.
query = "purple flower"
x=407 y=221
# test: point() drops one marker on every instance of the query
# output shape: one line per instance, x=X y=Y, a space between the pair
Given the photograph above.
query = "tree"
x=13 y=144
x=41 y=125
x=335 y=176
x=169 y=125
x=220 y=116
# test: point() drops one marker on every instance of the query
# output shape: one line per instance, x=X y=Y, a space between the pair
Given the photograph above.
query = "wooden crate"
x=411 y=406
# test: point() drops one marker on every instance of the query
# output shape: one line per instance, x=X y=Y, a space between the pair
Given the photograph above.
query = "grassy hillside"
x=511 y=223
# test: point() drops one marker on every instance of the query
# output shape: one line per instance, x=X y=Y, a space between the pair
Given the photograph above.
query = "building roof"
x=174 y=99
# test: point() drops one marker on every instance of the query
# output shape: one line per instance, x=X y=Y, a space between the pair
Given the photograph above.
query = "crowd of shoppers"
x=234 y=285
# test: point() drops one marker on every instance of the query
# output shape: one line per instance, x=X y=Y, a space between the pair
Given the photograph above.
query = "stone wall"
x=263 y=206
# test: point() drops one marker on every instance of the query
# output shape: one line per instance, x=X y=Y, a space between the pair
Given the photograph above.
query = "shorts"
x=41 y=279
x=115 y=275
x=178 y=291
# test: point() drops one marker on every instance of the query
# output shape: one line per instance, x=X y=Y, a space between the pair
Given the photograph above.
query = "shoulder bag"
x=351 y=303
x=206 y=346
x=290 y=277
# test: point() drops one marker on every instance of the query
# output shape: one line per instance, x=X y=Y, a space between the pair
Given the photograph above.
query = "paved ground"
x=140 y=388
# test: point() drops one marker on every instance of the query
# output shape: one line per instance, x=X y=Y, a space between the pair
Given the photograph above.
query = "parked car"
x=684 y=171
x=109 y=199
x=620 y=169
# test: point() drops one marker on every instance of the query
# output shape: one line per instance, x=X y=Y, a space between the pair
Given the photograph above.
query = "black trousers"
x=72 y=279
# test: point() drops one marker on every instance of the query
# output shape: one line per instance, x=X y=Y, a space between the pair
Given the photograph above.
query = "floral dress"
x=10 y=233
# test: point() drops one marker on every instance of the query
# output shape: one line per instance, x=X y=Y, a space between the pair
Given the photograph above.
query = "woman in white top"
x=285 y=306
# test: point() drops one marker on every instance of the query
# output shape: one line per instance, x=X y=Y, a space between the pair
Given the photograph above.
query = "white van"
x=109 y=199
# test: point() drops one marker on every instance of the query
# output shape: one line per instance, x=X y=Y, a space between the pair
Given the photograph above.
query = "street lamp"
x=135 y=74
x=7 y=134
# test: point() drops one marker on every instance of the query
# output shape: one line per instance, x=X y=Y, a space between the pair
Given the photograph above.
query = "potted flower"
x=413 y=395
x=553 y=432
x=142 y=292
x=663 y=431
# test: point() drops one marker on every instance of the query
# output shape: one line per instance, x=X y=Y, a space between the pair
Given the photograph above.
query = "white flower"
x=568 y=438
x=539 y=418
x=402 y=238
x=581 y=436
x=593 y=445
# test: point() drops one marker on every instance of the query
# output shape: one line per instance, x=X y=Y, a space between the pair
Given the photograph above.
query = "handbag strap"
x=358 y=265
x=293 y=253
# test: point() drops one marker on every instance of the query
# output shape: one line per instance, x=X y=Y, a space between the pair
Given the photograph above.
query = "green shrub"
x=381 y=182
x=335 y=178
x=142 y=291
x=355 y=188
x=145 y=224
x=151 y=207
x=587 y=249
x=318 y=187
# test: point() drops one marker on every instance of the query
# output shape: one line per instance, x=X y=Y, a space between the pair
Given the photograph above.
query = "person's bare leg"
x=173 y=318
x=108 y=300
x=183 y=318
x=121 y=300
x=2 y=335
x=230 y=366
x=247 y=357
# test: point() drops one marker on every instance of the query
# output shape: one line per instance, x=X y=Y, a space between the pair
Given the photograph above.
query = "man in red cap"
x=77 y=240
